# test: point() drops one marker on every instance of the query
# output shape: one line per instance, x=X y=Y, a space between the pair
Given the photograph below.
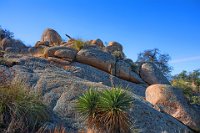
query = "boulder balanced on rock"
x=124 y=71
x=172 y=101
x=62 y=52
x=52 y=37
x=97 y=58
x=152 y=75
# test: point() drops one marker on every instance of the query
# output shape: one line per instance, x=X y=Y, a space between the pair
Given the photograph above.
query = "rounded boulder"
x=172 y=101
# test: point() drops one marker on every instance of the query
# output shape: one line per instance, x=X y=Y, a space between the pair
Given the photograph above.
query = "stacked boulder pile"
x=61 y=73
x=11 y=45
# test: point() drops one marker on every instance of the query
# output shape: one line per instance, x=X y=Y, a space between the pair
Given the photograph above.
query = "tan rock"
x=96 y=58
x=66 y=54
x=116 y=50
x=52 y=37
x=172 y=101
x=63 y=52
x=124 y=71
x=114 y=46
x=97 y=42
x=58 y=61
x=17 y=44
x=39 y=44
x=152 y=75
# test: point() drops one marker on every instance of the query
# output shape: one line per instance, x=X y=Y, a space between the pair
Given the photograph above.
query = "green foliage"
x=195 y=100
x=113 y=106
x=4 y=33
x=22 y=109
x=188 y=90
x=160 y=60
x=78 y=44
x=106 y=110
x=86 y=106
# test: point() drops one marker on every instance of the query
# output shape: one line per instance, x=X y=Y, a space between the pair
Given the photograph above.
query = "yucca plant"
x=22 y=110
x=113 y=109
x=87 y=105
x=107 y=110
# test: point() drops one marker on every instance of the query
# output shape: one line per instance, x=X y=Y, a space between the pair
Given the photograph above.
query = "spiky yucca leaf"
x=86 y=106
x=113 y=106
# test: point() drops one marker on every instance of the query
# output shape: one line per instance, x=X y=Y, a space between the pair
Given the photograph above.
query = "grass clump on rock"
x=106 y=111
x=78 y=44
x=20 y=110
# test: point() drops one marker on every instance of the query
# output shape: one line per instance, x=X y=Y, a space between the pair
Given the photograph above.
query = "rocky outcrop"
x=52 y=37
x=14 y=44
x=62 y=52
x=60 y=74
x=114 y=46
x=41 y=44
x=124 y=71
x=93 y=74
x=152 y=75
x=171 y=101
x=60 y=88
x=97 y=58
x=115 y=49
x=97 y=42
x=5 y=75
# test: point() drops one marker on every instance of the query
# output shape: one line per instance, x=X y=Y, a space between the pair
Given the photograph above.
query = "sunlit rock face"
x=52 y=37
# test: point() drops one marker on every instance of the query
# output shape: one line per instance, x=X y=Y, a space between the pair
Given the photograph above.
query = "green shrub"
x=195 y=100
x=78 y=44
x=22 y=110
x=188 y=90
x=86 y=106
x=113 y=109
x=106 y=110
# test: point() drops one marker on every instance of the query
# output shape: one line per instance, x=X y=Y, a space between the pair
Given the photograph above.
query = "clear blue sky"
x=173 y=26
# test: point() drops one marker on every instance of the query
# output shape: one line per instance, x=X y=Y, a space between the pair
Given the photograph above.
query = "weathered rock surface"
x=52 y=37
x=60 y=88
x=58 y=61
x=93 y=74
x=63 y=52
x=97 y=58
x=114 y=46
x=97 y=42
x=124 y=71
x=152 y=75
x=115 y=49
x=41 y=44
x=5 y=75
x=67 y=54
x=5 y=43
x=171 y=101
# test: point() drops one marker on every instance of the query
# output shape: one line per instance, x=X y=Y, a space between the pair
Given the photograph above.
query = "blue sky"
x=173 y=26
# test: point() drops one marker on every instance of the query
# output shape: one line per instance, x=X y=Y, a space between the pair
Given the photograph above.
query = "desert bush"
x=107 y=110
x=78 y=44
x=188 y=90
x=4 y=33
x=87 y=107
x=22 y=110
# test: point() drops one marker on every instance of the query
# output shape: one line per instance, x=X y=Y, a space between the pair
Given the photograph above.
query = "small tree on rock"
x=160 y=60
